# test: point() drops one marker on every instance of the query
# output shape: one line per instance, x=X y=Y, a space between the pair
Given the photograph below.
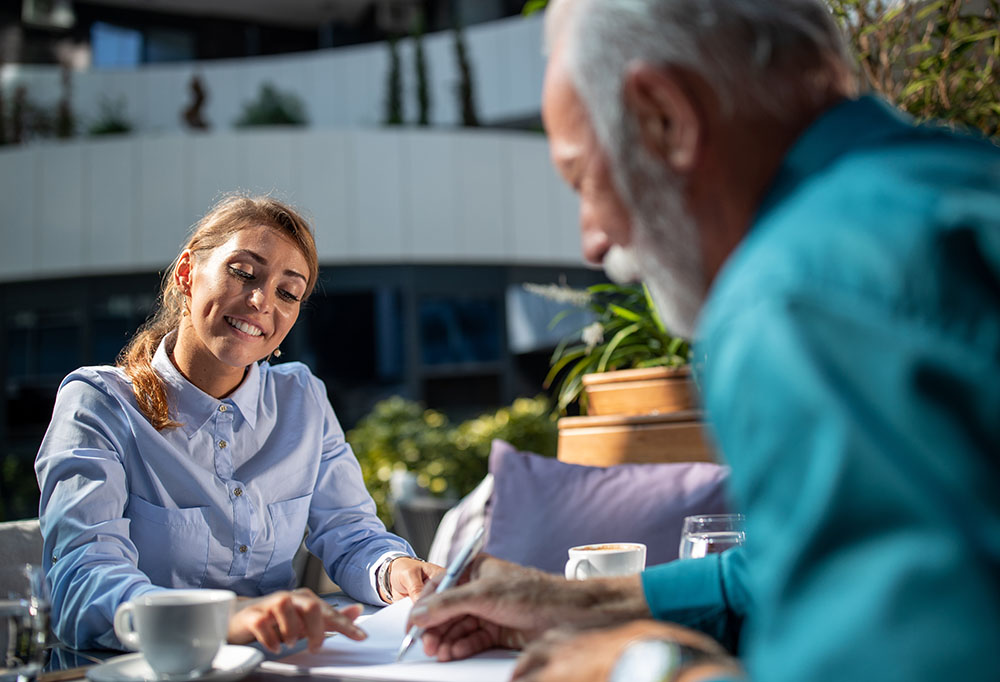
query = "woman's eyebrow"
x=263 y=261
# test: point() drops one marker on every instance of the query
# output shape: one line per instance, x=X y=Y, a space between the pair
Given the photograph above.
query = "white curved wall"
x=397 y=195
x=340 y=87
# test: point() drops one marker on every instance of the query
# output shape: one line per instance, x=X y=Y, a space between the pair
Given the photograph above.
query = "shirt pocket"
x=172 y=543
x=288 y=520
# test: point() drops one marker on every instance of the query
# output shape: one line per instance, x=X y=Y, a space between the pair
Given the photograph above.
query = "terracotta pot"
x=656 y=390
x=617 y=439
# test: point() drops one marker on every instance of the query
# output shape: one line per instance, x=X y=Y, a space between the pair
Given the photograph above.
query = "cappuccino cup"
x=179 y=632
x=605 y=560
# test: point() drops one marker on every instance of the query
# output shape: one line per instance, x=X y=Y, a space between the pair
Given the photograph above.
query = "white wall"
x=340 y=87
x=397 y=195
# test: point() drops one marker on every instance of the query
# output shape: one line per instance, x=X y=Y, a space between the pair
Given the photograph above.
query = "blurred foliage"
x=448 y=460
x=532 y=6
x=934 y=60
x=464 y=88
x=113 y=118
x=28 y=119
x=272 y=108
x=420 y=68
x=65 y=120
x=394 y=86
x=3 y=114
x=626 y=334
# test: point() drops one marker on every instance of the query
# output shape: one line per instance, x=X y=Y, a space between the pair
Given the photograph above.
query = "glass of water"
x=24 y=628
x=710 y=534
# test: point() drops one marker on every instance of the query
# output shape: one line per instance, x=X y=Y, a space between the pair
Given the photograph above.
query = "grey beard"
x=664 y=255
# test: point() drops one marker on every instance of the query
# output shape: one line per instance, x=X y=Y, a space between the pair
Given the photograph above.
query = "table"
x=66 y=664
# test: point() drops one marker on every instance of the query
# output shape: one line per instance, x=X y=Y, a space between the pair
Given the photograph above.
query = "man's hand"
x=506 y=605
x=407 y=577
x=286 y=617
x=564 y=655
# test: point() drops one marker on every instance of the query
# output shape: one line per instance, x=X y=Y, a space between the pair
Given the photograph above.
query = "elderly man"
x=849 y=266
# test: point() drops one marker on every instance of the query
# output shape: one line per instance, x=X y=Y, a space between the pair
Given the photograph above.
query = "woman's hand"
x=407 y=577
x=286 y=617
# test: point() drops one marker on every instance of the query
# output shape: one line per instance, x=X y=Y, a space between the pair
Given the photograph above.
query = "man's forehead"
x=564 y=114
x=560 y=97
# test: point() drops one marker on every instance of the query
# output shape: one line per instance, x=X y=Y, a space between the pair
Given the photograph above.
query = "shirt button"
x=223 y=444
x=54 y=558
x=223 y=408
x=243 y=549
x=238 y=492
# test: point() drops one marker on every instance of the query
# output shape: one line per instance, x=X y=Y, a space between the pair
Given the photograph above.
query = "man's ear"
x=669 y=125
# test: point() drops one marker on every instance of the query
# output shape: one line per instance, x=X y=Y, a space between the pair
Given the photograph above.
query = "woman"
x=193 y=464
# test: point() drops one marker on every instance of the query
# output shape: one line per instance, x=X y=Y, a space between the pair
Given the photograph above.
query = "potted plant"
x=625 y=361
x=632 y=378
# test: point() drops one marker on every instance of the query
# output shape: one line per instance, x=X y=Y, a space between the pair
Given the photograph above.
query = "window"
x=113 y=46
x=458 y=331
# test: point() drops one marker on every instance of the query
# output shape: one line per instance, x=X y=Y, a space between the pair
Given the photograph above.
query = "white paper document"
x=374 y=658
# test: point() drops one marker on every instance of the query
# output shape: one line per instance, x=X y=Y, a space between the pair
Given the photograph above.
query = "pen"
x=455 y=569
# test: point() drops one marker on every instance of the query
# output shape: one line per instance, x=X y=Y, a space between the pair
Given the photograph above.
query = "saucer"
x=230 y=664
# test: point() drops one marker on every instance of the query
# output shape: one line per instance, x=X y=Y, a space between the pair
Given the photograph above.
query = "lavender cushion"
x=541 y=507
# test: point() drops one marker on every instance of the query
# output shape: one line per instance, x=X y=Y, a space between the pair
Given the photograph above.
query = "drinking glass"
x=24 y=627
x=710 y=534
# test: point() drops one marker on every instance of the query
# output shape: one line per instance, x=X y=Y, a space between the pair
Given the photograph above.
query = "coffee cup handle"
x=578 y=569
x=125 y=627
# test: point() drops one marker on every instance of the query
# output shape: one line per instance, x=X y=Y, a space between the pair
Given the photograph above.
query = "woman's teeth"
x=244 y=327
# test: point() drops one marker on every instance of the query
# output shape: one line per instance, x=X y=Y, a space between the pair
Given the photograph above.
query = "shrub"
x=272 y=107
x=448 y=460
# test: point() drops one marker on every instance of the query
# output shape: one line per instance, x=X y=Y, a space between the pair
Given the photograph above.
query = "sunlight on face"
x=244 y=298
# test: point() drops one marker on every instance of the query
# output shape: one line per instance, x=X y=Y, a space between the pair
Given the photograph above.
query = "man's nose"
x=594 y=242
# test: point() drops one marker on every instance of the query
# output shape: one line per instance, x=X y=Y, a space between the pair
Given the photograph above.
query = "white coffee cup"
x=179 y=632
x=605 y=559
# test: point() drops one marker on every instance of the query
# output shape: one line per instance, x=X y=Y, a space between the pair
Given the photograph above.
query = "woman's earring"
x=277 y=353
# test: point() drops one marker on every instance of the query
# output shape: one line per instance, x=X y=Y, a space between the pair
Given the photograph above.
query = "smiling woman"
x=195 y=463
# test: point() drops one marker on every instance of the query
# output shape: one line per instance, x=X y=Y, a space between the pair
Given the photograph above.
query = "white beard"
x=664 y=253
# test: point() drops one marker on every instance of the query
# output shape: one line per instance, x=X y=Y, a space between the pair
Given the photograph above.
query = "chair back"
x=20 y=544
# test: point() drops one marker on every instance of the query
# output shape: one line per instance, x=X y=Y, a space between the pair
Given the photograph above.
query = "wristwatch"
x=654 y=660
x=382 y=578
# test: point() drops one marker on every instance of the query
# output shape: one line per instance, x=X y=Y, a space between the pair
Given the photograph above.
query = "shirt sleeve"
x=344 y=530
x=706 y=594
x=863 y=444
x=89 y=560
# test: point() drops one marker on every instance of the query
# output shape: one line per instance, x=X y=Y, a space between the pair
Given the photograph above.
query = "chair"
x=417 y=519
x=22 y=544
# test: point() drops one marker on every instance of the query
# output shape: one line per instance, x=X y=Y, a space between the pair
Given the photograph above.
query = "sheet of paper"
x=374 y=658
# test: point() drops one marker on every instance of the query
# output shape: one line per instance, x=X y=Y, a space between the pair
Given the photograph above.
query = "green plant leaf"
x=624 y=312
x=533 y=6
x=617 y=339
x=562 y=362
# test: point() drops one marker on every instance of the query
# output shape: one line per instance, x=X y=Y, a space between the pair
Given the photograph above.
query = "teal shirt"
x=852 y=379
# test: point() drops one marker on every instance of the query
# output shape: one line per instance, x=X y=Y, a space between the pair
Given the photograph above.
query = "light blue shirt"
x=221 y=501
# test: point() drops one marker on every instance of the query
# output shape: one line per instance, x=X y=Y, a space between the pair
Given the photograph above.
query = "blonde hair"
x=229 y=216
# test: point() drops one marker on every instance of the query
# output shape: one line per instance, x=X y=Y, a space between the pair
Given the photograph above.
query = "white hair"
x=765 y=59
x=762 y=58
x=758 y=56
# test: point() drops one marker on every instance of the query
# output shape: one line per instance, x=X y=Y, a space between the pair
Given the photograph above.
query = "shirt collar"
x=191 y=406
x=849 y=125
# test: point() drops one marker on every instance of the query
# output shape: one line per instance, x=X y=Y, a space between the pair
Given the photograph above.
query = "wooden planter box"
x=619 y=439
x=656 y=390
